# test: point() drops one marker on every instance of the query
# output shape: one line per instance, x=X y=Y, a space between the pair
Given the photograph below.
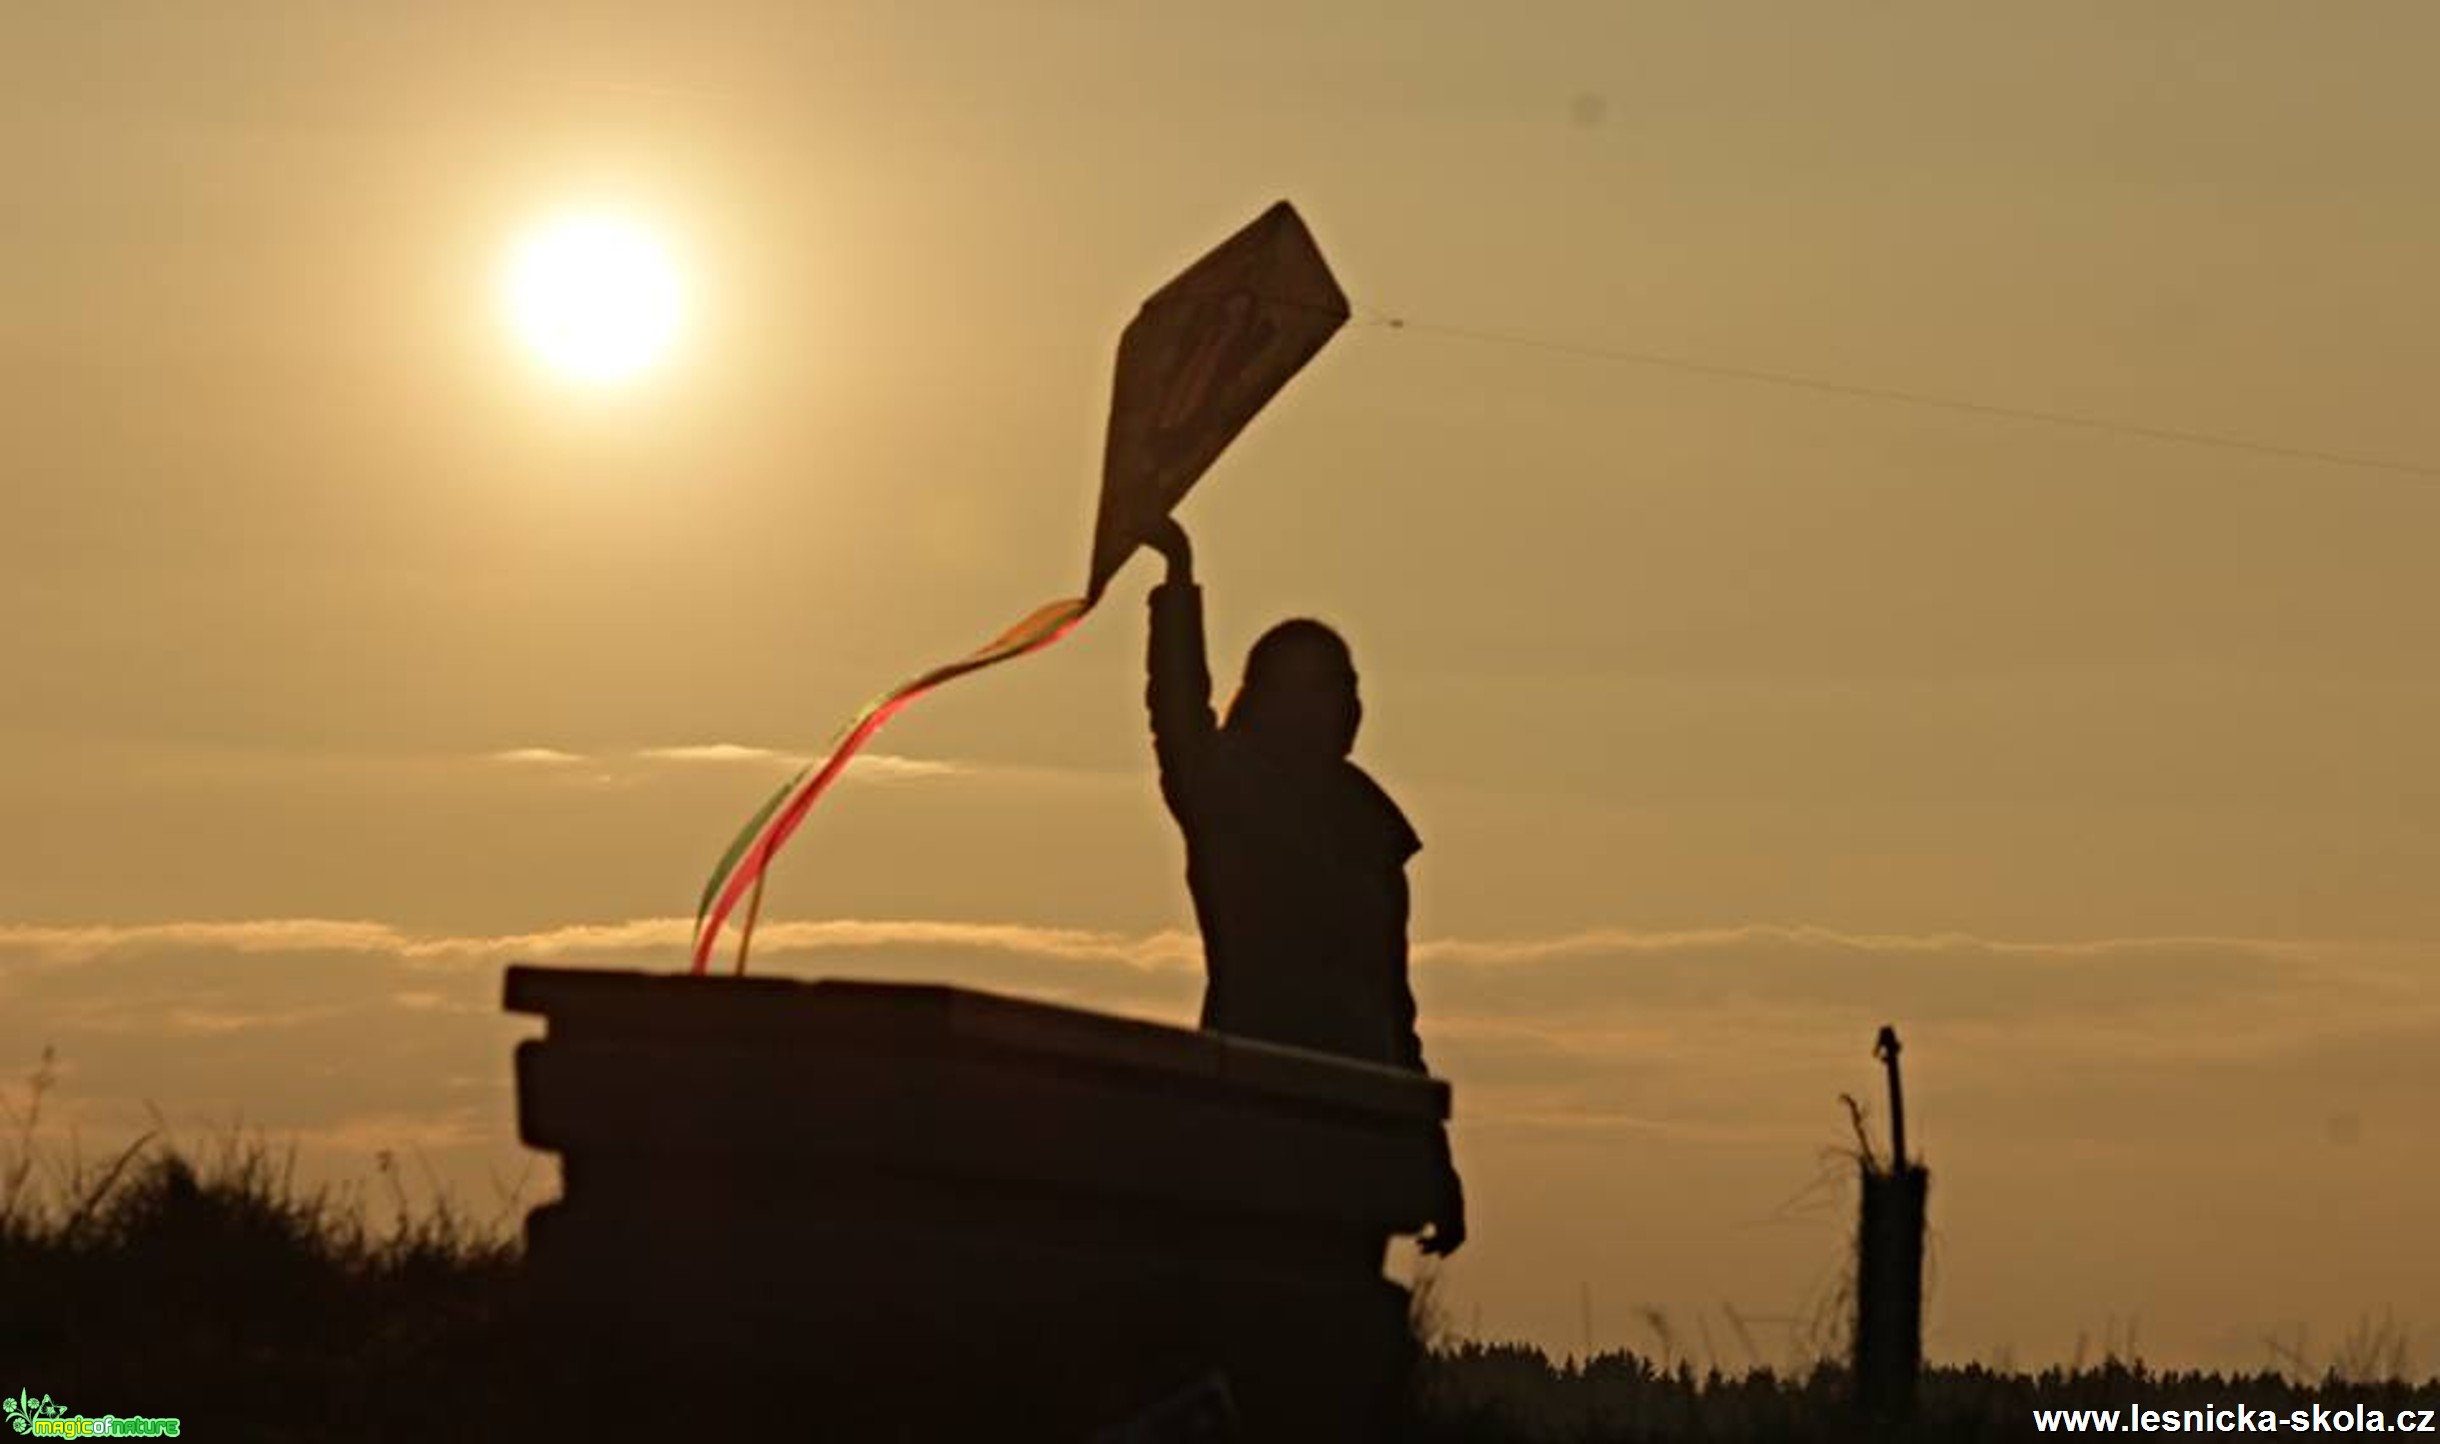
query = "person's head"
x=1299 y=692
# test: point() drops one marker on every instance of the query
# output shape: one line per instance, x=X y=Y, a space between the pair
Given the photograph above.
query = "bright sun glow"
x=594 y=297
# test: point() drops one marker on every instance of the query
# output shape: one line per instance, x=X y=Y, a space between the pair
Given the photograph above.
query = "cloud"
x=1625 y=940
x=1566 y=1002
x=1166 y=950
x=1570 y=985
x=1950 y=975
x=715 y=752
x=1588 y=1010
x=883 y=766
x=537 y=757
x=869 y=766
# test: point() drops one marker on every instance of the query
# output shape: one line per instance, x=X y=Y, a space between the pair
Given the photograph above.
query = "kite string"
x=1366 y=316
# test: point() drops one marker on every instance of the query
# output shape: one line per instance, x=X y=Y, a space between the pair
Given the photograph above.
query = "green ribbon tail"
x=745 y=839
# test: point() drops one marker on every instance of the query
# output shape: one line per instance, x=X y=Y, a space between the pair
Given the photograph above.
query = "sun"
x=594 y=297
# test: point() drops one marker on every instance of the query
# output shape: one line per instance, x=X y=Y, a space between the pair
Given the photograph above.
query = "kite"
x=1206 y=352
x=1203 y=355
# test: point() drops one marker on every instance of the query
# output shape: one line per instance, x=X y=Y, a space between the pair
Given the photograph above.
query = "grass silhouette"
x=216 y=1287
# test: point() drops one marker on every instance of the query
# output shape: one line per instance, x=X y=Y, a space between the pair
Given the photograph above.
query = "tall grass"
x=212 y=1285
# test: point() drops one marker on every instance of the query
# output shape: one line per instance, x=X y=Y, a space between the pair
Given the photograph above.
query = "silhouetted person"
x=1296 y=858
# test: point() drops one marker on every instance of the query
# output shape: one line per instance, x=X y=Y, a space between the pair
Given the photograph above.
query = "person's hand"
x=1448 y=1233
x=1169 y=539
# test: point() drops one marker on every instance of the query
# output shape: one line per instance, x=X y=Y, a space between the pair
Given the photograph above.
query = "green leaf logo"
x=23 y=1410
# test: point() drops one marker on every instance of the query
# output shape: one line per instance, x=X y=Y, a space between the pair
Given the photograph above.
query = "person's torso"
x=1300 y=888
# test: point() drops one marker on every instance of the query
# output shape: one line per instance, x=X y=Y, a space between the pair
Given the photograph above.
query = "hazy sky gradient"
x=1736 y=719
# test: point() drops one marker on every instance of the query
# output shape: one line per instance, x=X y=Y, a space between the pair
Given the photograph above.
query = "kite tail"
x=749 y=856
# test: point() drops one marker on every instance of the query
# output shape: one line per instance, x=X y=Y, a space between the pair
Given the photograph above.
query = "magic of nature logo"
x=44 y=1418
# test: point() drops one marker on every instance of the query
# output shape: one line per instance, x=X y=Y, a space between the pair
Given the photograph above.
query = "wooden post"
x=1889 y=1264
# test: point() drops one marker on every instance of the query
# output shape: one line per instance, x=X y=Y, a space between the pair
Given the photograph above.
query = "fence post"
x=1889 y=1264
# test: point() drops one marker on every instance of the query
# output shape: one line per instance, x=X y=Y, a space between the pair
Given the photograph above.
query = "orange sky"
x=351 y=657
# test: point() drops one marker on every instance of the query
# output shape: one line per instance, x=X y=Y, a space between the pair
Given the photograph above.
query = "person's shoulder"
x=1402 y=837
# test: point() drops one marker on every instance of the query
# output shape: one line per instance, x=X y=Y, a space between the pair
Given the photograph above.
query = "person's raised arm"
x=1178 y=679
